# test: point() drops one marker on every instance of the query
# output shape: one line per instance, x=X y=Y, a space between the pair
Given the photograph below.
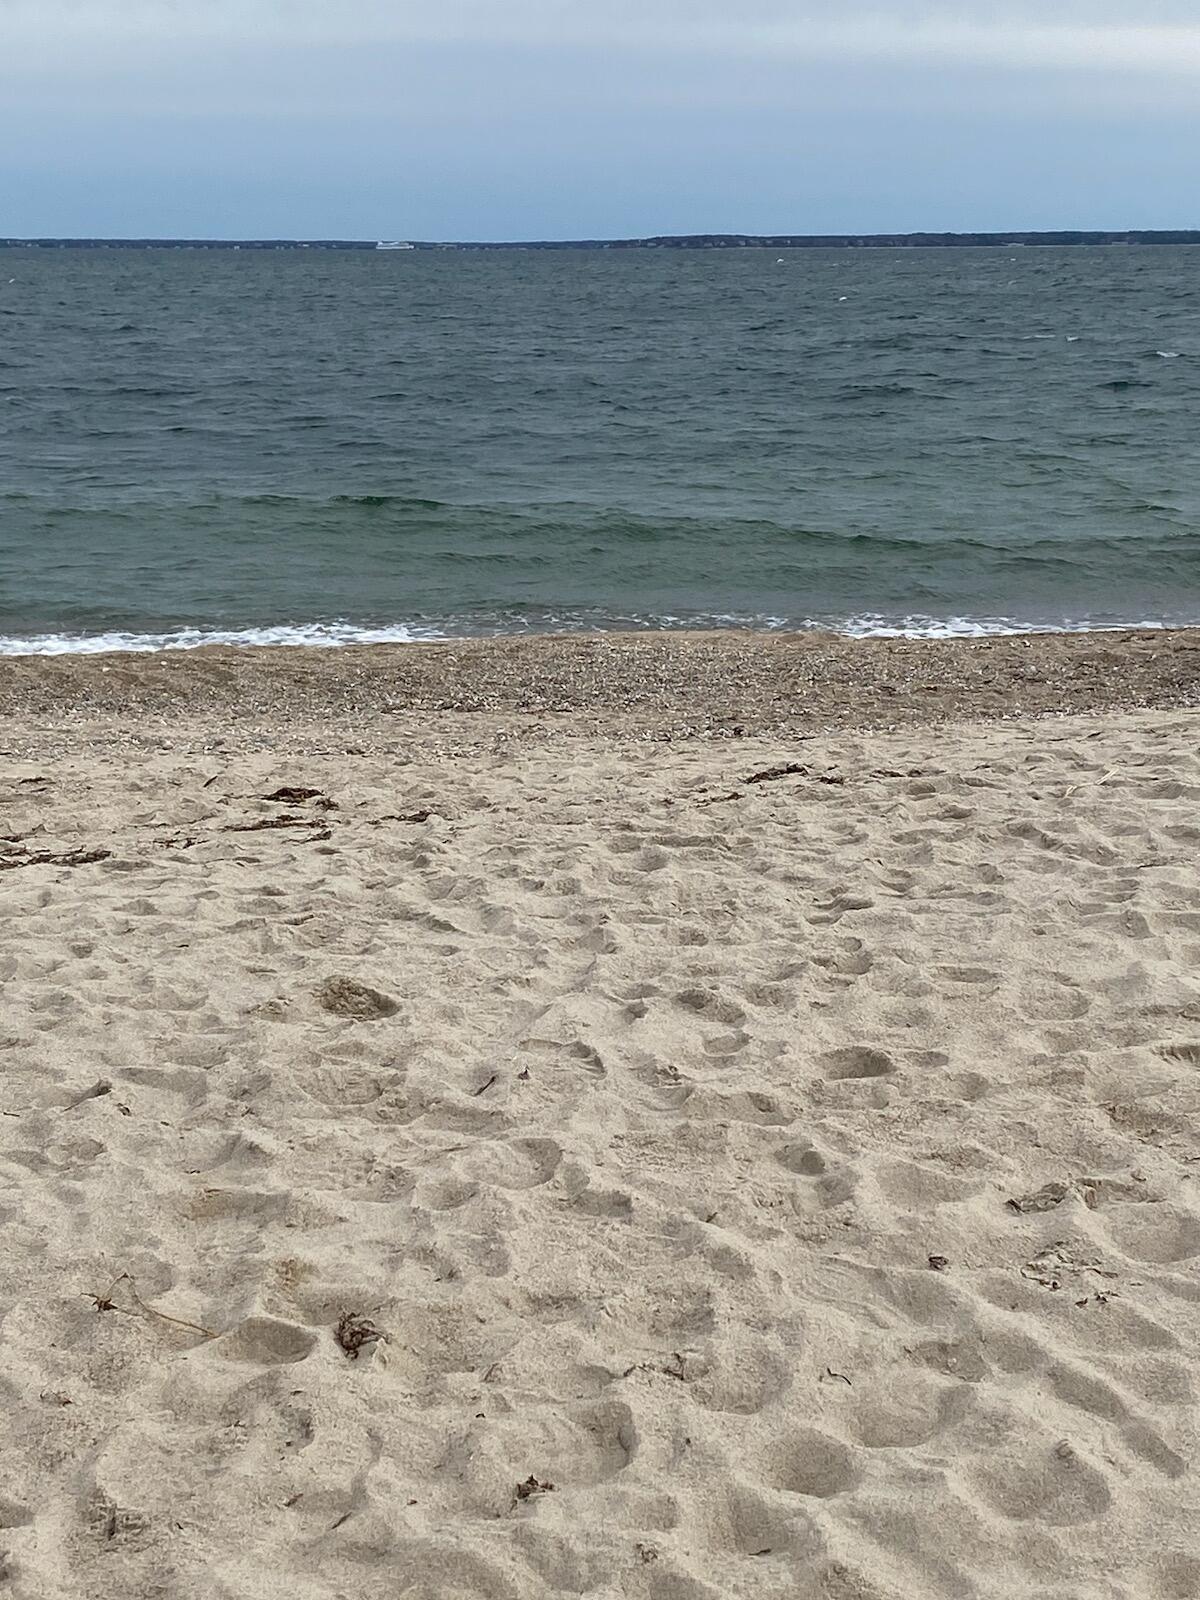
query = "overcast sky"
x=575 y=118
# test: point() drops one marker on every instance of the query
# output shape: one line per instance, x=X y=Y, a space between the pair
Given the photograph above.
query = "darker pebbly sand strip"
x=634 y=685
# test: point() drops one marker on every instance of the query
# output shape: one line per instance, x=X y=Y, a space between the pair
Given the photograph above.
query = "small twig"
x=99 y=1088
x=483 y=1087
x=105 y=1302
x=678 y=1370
x=163 y=1316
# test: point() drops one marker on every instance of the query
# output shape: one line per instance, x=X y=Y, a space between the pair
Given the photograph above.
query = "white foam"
x=334 y=635
x=1168 y=355
x=318 y=635
x=916 y=627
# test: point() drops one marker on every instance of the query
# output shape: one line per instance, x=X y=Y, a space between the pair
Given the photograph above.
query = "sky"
x=523 y=119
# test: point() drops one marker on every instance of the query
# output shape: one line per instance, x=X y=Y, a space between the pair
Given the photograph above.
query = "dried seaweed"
x=51 y=858
x=532 y=1486
x=354 y=1331
x=262 y=824
x=790 y=769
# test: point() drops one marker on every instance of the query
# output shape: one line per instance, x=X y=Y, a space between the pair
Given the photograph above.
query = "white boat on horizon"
x=394 y=244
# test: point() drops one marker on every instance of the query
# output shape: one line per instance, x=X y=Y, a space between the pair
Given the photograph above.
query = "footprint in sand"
x=346 y=997
x=802 y=1160
x=713 y=1007
x=954 y=1358
x=728 y=1045
x=835 y=908
x=747 y=1105
x=13 y=1514
x=514 y=1163
x=857 y=1061
x=848 y=958
x=742 y=1378
x=612 y=1205
x=909 y=1412
x=1159 y=1234
x=266 y=1342
x=968 y=975
x=1053 y=1484
x=1053 y=998
x=750 y=1525
x=808 y=1462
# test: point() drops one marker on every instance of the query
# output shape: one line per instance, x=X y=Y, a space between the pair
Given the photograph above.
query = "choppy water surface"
x=318 y=446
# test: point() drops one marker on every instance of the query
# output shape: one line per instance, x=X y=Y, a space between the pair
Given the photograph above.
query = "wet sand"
x=656 y=685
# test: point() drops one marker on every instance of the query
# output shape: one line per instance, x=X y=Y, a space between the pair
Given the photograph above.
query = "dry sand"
x=777 y=1188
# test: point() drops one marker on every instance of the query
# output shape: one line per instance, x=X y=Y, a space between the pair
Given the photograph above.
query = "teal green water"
x=319 y=445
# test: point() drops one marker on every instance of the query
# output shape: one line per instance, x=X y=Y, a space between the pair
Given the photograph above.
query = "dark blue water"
x=324 y=445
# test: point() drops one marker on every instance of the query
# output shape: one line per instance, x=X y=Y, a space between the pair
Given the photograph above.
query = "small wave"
x=373 y=502
x=1169 y=355
x=873 y=626
x=872 y=391
x=335 y=635
x=317 y=635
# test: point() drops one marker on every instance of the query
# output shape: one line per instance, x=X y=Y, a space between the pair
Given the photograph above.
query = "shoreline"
x=718 y=684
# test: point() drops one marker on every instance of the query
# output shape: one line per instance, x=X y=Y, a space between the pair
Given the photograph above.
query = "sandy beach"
x=652 y=1118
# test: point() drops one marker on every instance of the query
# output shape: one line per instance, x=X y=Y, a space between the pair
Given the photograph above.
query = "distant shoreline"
x=691 y=241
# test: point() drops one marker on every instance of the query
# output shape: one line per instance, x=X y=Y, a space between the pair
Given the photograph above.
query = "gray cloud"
x=430 y=117
x=1110 y=36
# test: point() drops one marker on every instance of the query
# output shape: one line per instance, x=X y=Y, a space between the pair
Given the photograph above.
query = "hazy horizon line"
x=779 y=238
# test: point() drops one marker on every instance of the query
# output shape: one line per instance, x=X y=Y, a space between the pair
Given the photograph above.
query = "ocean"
x=319 y=446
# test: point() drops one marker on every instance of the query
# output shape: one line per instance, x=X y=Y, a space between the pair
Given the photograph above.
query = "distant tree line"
x=690 y=241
